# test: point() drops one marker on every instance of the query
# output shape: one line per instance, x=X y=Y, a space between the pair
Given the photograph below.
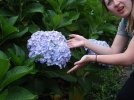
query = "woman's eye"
x=109 y=2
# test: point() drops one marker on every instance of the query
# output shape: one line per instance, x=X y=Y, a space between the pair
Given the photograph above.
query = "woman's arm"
x=118 y=44
x=125 y=58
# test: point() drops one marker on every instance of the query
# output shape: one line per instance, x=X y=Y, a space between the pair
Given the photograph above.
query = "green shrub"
x=23 y=79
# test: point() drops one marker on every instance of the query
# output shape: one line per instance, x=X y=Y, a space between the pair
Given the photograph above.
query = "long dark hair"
x=103 y=3
x=130 y=25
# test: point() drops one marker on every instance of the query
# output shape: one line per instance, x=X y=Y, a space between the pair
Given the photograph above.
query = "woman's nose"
x=116 y=2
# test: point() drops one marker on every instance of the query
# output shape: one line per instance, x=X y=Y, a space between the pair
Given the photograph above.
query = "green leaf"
x=33 y=28
x=19 y=52
x=68 y=3
x=68 y=18
x=55 y=5
x=60 y=2
x=5 y=12
x=111 y=28
x=14 y=74
x=20 y=93
x=72 y=27
x=3 y=55
x=4 y=66
x=30 y=61
x=17 y=34
x=56 y=20
x=17 y=55
x=13 y=20
x=34 y=8
x=66 y=77
x=7 y=27
x=3 y=94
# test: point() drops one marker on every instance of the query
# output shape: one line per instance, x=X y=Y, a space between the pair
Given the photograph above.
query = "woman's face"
x=120 y=8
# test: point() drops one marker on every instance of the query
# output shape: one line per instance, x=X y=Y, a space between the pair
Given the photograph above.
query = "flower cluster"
x=98 y=42
x=52 y=45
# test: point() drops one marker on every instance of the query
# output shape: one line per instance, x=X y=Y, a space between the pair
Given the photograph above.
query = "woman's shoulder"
x=123 y=21
x=122 y=27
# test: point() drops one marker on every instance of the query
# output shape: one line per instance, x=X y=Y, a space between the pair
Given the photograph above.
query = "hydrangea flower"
x=52 y=45
x=101 y=43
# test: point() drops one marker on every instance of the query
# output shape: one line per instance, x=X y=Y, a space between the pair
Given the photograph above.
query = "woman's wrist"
x=85 y=42
x=96 y=58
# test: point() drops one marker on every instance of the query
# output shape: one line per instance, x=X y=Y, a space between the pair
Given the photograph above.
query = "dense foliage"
x=23 y=79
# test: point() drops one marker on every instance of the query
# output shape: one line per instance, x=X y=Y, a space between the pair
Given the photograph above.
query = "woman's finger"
x=81 y=61
x=71 y=40
x=73 y=35
x=73 y=69
x=78 y=62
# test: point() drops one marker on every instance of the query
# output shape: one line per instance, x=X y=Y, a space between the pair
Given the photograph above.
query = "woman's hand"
x=80 y=63
x=76 y=41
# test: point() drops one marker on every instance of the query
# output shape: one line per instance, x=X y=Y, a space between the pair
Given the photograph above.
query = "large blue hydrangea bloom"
x=52 y=45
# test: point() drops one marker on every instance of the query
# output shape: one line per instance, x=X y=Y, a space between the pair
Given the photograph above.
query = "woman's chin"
x=123 y=15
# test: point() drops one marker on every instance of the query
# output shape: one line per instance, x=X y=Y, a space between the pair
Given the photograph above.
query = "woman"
x=116 y=54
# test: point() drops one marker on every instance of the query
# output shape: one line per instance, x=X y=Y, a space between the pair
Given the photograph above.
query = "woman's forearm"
x=97 y=48
x=116 y=59
x=118 y=46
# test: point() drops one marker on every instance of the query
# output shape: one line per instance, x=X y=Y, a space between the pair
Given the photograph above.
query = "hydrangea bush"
x=52 y=45
x=101 y=43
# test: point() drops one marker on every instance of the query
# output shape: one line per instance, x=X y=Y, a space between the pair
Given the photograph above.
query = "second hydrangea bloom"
x=101 y=43
x=51 y=45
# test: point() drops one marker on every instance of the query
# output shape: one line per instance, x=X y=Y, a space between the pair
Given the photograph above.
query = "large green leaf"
x=17 y=55
x=3 y=55
x=33 y=28
x=4 y=66
x=68 y=18
x=48 y=19
x=56 y=20
x=55 y=5
x=31 y=61
x=34 y=8
x=13 y=20
x=73 y=27
x=14 y=74
x=19 y=93
x=61 y=2
x=19 y=34
x=3 y=94
x=5 y=12
x=7 y=27
x=66 y=77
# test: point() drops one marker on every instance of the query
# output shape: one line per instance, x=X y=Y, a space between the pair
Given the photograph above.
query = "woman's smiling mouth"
x=120 y=10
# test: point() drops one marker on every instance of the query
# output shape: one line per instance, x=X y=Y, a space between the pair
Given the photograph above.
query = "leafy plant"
x=23 y=78
x=10 y=73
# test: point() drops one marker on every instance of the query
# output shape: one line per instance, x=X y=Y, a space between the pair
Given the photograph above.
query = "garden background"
x=23 y=79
